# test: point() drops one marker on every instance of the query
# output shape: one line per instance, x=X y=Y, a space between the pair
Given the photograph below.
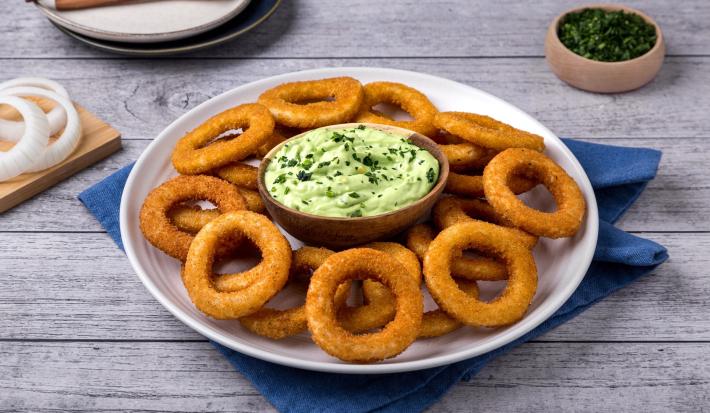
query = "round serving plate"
x=146 y=21
x=255 y=13
x=561 y=263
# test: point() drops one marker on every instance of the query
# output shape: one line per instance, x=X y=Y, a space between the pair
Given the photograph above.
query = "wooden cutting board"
x=99 y=140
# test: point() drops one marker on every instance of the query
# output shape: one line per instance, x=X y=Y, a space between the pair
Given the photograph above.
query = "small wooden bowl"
x=603 y=77
x=337 y=232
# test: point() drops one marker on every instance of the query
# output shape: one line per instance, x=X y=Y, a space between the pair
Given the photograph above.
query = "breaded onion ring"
x=487 y=132
x=363 y=263
x=450 y=210
x=379 y=304
x=419 y=237
x=436 y=323
x=280 y=134
x=239 y=174
x=195 y=152
x=283 y=102
x=511 y=305
x=191 y=218
x=472 y=185
x=157 y=227
x=273 y=269
x=412 y=101
x=279 y=324
x=467 y=155
x=564 y=222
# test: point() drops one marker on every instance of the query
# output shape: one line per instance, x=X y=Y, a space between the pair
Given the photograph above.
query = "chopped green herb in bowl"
x=606 y=36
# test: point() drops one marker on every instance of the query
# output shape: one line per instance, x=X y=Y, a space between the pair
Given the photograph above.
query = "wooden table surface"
x=79 y=332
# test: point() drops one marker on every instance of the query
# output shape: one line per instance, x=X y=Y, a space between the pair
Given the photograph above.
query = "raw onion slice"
x=11 y=130
x=34 y=141
x=69 y=139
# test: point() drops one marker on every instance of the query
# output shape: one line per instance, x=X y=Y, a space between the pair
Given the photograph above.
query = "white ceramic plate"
x=561 y=263
x=146 y=21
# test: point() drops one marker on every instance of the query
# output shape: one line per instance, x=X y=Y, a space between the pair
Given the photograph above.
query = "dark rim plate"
x=257 y=12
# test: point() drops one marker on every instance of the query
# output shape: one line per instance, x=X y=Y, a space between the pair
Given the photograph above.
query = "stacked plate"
x=160 y=27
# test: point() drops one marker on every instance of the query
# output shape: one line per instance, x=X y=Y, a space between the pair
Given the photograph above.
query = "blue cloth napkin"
x=618 y=176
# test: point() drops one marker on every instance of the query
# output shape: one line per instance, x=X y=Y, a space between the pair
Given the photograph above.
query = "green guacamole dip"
x=353 y=172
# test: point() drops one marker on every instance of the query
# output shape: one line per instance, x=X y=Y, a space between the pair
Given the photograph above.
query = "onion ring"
x=450 y=210
x=194 y=154
x=157 y=227
x=67 y=142
x=487 y=132
x=25 y=153
x=436 y=323
x=282 y=101
x=564 y=222
x=281 y=133
x=511 y=305
x=239 y=174
x=274 y=267
x=363 y=263
x=467 y=155
x=379 y=307
x=279 y=324
x=419 y=237
x=412 y=101
x=11 y=130
x=472 y=185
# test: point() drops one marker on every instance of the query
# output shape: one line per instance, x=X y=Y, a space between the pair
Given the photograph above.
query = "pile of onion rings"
x=33 y=150
x=491 y=163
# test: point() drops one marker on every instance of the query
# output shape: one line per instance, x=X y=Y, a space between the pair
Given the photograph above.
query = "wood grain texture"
x=98 y=141
x=364 y=28
x=92 y=293
x=184 y=377
x=141 y=97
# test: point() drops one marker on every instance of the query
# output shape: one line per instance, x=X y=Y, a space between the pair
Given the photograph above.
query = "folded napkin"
x=618 y=176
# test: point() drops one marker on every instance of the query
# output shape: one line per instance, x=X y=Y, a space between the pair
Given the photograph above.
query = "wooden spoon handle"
x=82 y=4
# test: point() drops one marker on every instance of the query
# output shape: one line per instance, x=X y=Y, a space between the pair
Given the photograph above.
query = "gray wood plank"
x=141 y=97
x=107 y=377
x=80 y=286
x=363 y=28
x=677 y=200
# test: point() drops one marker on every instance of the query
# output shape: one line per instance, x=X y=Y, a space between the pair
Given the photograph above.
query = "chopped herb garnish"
x=280 y=179
x=606 y=36
x=292 y=162
x=303 y=176
x=430 y=175
x=354 y=195
x=287 y=190
x=356 y=213
x=361 y=127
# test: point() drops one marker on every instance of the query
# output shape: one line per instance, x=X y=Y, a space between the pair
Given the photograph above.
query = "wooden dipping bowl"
x=603 y=77
x=339 y=232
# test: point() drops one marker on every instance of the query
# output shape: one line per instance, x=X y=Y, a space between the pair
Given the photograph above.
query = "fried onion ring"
x=280 y=134
x=239 y=174
x=419 y=237
x=157 y=227
x=363 y=263
x=511 y=305
x=191 y=218
x=195 y=152
x=472 y=185
x=412 y=101
x=283 y=102
x=450 y=210
x=487 y=132
x=436 y=323
x=273 y=269
x=467 y=155
x=379 y=307
x=279 y=324
x=564 y=222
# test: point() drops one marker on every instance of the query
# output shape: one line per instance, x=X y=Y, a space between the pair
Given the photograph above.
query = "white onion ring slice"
x=33 y=143
x=11 y=130
x=67 y=141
